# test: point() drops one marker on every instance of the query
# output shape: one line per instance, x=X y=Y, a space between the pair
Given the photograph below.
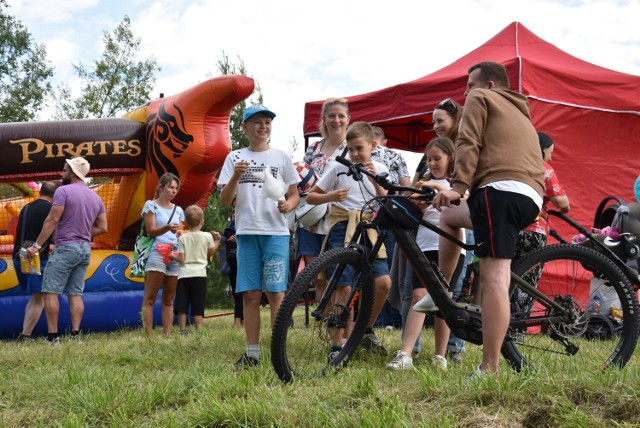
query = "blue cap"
x=255 y=109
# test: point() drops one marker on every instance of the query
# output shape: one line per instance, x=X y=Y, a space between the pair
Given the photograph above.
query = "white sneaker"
x=401 y=361
x=477 y=374
x=426 y=305
x=439 y=362
x=55 y=341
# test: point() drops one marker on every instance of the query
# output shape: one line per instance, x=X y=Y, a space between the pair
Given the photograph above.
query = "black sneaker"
x=372 y=343
x=23 y=338
x=246 y=361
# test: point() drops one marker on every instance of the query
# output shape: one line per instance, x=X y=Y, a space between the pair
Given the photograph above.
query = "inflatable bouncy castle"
x=186 y=134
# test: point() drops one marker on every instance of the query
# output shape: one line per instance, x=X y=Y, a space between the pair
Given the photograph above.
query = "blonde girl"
x=440 y=156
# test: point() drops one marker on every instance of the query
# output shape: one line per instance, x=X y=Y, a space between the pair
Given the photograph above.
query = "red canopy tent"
x=592 y=113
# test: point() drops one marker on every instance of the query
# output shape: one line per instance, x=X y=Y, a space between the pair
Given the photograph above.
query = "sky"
x=300 y=51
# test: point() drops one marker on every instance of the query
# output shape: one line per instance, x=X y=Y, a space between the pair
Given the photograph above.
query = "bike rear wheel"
x=302 y=334
x=590 y=337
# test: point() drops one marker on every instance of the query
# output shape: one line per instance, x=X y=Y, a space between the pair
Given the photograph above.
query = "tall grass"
x=126 y=379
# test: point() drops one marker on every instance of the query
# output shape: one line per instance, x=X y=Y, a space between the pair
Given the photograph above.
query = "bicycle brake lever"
x=425 y=193
x=429 y=194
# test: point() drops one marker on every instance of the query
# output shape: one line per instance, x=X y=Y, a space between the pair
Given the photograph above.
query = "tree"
x=117 y=83
x=24 y=71
x=294 y=146
x=216 y=216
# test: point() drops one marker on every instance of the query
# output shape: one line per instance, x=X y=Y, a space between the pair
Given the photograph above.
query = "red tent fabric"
x=592 y=113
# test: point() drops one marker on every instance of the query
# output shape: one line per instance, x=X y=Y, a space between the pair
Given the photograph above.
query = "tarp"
x=592 y=113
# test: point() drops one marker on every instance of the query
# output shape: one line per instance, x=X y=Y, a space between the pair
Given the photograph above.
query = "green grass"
x=126 y=379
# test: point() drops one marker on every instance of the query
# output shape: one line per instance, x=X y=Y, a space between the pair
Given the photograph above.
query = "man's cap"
x=79 y=166
x=255 y=109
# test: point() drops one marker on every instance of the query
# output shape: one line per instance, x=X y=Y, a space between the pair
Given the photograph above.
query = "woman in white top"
x=321 y=155
x=162 y=218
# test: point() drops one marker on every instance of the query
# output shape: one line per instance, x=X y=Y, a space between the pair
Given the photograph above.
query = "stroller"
x=616 y=234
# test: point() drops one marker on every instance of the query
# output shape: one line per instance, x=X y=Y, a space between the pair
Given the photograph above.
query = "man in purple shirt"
x=77 y=215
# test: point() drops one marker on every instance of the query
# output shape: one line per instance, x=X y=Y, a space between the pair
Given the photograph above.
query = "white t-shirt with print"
x=426 y=239
x=336 y=178
x=255 y=214
x=393 y=160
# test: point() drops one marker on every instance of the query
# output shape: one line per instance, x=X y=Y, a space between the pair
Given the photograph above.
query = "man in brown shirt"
x=498 y=161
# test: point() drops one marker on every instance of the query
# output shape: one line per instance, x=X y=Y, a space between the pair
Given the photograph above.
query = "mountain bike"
x=559 y=279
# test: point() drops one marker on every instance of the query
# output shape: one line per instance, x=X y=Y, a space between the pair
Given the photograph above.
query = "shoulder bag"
x=142 y=249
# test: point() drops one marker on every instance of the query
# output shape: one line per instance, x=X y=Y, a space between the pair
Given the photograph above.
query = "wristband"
x=38 y=247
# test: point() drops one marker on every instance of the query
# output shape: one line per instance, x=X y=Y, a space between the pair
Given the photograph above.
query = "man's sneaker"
x=372 y=343
x=54 y=341
x=426 y=305
x=76 y=339
x=454 y=356
x=401 y=361
x=247 y=361
x=439 y=362
x=184 y=331
x=23 y=338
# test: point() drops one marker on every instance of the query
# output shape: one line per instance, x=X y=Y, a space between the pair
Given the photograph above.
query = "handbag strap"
x=142 y=231
x=172 y=213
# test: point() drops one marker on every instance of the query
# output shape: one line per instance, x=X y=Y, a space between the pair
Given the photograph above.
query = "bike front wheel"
x=303 y=332
x=597 y=325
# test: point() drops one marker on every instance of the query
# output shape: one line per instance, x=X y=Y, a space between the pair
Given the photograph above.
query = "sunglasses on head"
x=452 y=107
x=336 y=100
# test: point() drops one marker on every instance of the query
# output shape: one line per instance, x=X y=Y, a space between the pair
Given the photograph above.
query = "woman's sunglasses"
x=336 y=100
x=449 y=106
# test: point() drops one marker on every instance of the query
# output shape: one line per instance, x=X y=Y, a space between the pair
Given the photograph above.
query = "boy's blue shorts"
x=263 y=263
x=336 y=240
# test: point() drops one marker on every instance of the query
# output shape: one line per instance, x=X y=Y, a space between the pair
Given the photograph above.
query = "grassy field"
x=126 y=379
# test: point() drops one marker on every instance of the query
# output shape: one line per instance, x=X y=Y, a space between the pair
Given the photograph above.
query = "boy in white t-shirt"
x=262 y=232
x=195 y=248
x=346 y=194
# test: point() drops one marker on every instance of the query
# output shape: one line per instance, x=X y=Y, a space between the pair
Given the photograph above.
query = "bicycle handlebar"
x=356 y=170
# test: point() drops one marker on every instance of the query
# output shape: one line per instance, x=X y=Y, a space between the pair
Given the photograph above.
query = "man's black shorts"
x=497 y=218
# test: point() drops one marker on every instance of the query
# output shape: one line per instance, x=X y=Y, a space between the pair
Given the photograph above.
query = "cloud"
x=300 y=51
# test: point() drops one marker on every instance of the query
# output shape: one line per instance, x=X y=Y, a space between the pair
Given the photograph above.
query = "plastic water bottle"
x=468 y=282
x=25 y=265
x=596 y=304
